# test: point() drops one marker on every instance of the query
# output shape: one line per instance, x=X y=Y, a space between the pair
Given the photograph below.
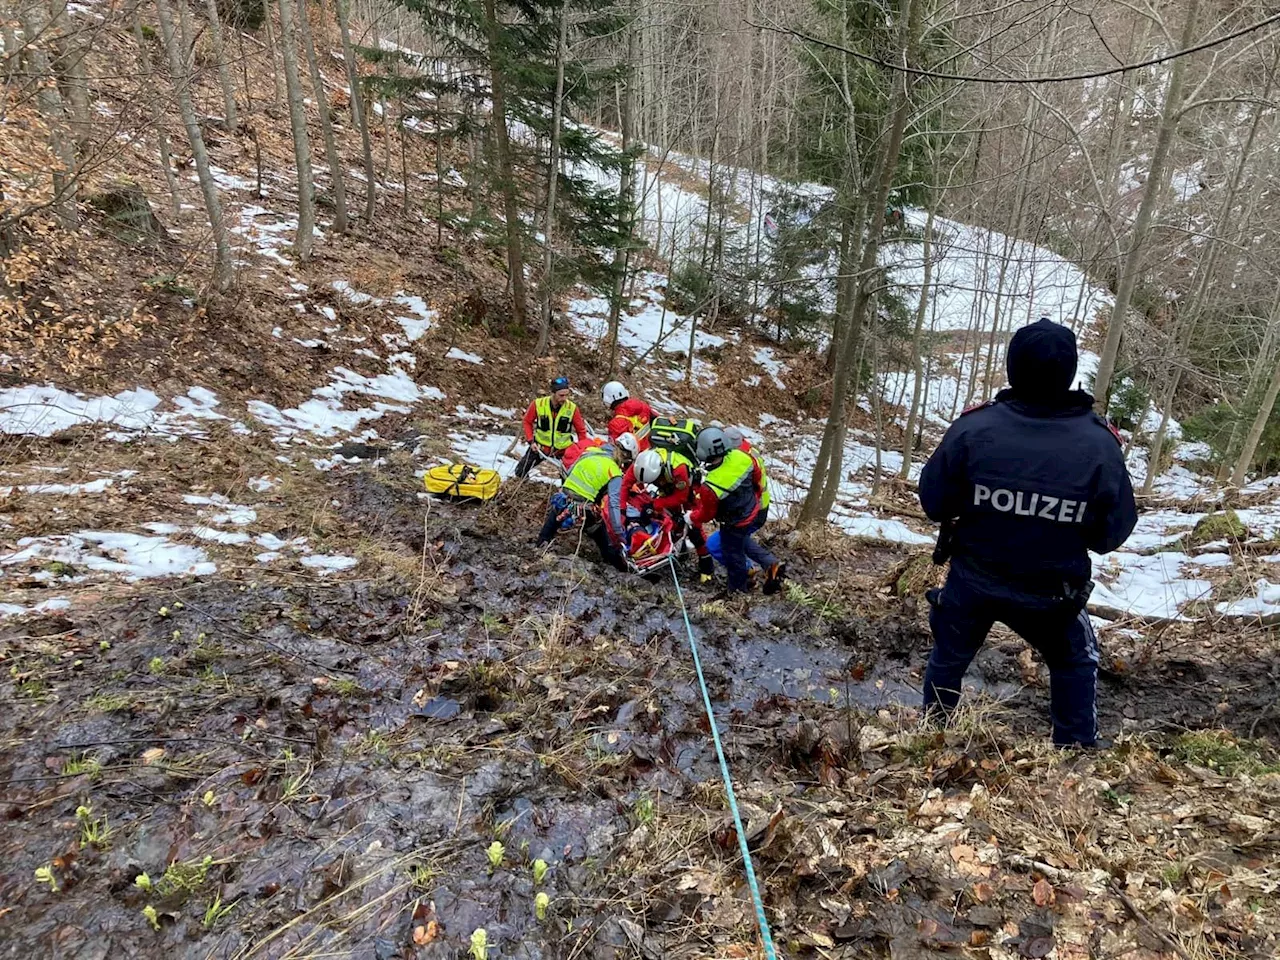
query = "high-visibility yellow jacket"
x=553 y=429
x=596 y=478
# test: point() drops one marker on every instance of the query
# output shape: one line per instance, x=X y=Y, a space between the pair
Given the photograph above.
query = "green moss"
x=1218 y=526
x=1219 y=750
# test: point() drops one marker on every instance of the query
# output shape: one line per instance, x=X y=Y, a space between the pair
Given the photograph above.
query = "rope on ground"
x=766 y=938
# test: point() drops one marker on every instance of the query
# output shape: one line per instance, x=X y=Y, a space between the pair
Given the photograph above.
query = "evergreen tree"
x=500 y=88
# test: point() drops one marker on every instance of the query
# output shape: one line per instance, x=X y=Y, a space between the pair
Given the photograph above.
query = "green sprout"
x=150 y=913
x=76 y=766
x=209 y=799
x=156 y=665
x=164 y=611
x=540 y=904
x=177 y=605
x=96 y=833
x=479 y=944
x=540 y=869
x=422 y=876
x=216 y=911
x=177 y=635
x=104 y=645
x=496 y=851
x=187 y=876
x=143 y=882
x=45 y=875
x=643 y=809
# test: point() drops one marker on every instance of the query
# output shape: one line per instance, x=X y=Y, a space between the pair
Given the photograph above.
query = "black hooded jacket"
x=1034 y=479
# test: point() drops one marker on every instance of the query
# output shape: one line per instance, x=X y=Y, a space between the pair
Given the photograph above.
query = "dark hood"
x=1041 y=364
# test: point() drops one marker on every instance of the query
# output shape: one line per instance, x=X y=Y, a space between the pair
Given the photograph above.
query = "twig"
x=1142 y=918
x=1036 y=866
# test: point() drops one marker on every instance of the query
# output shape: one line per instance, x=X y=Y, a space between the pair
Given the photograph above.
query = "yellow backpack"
x=462 y=481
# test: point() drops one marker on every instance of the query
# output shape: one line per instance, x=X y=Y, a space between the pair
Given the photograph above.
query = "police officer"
x=1026 y=485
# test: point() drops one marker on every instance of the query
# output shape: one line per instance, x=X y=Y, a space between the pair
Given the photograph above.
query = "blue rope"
x=766 y=938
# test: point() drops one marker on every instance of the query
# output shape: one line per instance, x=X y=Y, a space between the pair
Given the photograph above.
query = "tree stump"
x=128 y=213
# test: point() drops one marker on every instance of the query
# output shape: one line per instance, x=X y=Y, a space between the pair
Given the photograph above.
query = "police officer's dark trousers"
x=737 y=543
x=963 y=614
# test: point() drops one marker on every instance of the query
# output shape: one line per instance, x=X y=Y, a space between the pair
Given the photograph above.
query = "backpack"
x=680 y=436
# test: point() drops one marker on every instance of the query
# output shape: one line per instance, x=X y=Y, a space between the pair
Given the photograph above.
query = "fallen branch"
x=1142 y=918
x=1105 y=612
x=890 y=507
x=1055 y=874
x=1115 y=614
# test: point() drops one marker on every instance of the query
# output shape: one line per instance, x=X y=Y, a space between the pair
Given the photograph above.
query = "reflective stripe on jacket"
x=732 y=484
x=596 y=478
x=554 y=428
x=591 y=473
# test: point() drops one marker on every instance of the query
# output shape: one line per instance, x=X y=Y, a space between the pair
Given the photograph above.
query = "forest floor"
x=261 y=699
x=300 y=760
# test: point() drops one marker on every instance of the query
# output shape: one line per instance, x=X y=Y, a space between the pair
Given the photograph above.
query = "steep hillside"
x=264 y=698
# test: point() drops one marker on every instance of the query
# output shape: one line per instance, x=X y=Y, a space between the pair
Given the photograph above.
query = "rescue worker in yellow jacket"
x=592 y=494
x=735 y=493
x=552 y=424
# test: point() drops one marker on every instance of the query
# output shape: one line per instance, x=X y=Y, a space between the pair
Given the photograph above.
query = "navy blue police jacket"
x=1031 y=490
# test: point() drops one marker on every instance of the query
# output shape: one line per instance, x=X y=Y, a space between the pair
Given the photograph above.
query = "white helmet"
x=648 y=466
x=614 y=392
x=628 y=445
x=734 y=436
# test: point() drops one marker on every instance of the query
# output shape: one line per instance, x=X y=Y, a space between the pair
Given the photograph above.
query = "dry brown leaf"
x=425 y=933
x=963 y=853
x=151 y=756
x=983 y=891
x=1042 y=893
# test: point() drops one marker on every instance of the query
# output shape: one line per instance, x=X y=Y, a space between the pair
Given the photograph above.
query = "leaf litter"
x=368 y=743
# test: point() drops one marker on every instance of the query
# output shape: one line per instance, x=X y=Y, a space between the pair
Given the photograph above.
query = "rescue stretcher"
x=651 y=545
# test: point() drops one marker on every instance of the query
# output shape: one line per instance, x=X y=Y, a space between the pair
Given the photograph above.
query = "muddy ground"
x=276 y=769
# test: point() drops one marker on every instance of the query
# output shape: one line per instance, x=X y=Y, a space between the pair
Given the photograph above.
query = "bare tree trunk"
x=553 y=181
x=1255 y=431
x=626 y=191
x=166 y=160
x=1263 y=414
x=68 y=66
x=222 y=270
x=506 y=172
x=917 y=367
x=332 y=157
x=301 y=141
x=822 y=493
x=277 y=78
x=358 y=114
x=12 y=47
x=49 y=100
x=1157 y=183
x=224 y=72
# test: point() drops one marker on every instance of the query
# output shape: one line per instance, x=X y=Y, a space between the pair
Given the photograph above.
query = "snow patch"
x=327 y=563
x=456 y=354
x=133 y=556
